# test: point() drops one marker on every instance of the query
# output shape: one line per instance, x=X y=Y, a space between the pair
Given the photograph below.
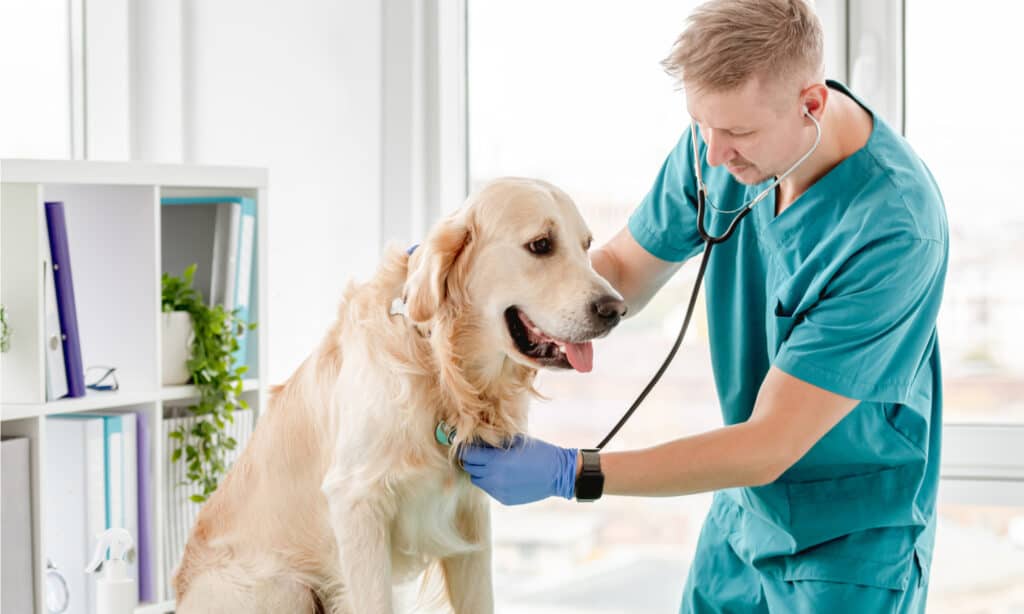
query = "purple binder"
x=59 y=254
x=144 y=543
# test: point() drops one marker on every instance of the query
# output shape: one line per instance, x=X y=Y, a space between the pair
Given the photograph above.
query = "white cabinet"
x=114 y=236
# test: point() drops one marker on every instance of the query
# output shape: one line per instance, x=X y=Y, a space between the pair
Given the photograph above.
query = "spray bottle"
x=116 y=592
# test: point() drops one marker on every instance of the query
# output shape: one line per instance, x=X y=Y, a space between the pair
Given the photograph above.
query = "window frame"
x=424 y=116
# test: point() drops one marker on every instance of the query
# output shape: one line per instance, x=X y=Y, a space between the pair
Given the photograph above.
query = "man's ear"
x=426 y=287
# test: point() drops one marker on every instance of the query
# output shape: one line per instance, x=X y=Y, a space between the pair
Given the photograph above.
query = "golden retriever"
x=343 y=490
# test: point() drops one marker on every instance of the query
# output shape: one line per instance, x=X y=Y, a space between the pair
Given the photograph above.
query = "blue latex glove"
x=528 y=470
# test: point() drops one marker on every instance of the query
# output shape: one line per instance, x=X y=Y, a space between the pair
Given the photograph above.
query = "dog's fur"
x=343 y=490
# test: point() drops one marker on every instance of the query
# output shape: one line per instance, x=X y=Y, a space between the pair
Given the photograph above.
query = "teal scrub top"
x=842 y=291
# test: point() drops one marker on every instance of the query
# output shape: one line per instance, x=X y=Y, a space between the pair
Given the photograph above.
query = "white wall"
x=295 y=87
x=35 y=116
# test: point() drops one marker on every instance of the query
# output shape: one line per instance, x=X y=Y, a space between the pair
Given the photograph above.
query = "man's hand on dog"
x=524 y=471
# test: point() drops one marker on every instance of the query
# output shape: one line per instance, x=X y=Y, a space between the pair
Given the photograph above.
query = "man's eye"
x=540 y=246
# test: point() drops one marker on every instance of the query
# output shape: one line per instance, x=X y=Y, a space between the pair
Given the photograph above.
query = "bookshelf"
x=114 y=229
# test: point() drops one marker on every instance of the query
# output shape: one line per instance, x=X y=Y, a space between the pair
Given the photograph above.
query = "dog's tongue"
x=580 y=355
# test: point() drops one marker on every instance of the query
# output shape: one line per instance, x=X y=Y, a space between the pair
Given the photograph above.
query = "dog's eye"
x=540 y=246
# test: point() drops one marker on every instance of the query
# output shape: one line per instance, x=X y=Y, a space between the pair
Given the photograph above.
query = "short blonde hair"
x=726 y=42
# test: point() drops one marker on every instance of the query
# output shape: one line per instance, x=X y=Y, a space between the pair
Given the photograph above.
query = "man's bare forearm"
x=604 y=263
x=634 y=273
x=608 y=266
x=727 y=457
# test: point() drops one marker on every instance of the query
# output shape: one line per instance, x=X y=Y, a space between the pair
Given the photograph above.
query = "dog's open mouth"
x=544 y=349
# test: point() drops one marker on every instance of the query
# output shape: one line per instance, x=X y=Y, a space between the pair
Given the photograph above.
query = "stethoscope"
x=710 y=240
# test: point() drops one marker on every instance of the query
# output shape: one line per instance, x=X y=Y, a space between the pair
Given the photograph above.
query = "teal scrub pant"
x=720 y=582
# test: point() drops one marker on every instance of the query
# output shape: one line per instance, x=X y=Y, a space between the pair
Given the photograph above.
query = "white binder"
x=56 y=376
x=225 y=254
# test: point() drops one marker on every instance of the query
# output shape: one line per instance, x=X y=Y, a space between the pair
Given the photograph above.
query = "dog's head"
x=511 y=266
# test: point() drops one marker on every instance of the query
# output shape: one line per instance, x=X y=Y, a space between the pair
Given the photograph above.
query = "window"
x=979 y=560
x=957 y=96
x=954 y=95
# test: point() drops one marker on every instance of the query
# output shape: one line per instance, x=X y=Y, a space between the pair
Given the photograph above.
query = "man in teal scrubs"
x=821 y=315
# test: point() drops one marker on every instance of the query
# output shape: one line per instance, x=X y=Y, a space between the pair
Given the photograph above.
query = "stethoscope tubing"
x=671 y=354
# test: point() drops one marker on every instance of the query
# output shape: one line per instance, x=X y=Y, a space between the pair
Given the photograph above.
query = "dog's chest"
x=426 y=524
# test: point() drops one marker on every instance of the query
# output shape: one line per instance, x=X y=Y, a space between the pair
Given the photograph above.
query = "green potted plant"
x=211 y=368
x=5 y=330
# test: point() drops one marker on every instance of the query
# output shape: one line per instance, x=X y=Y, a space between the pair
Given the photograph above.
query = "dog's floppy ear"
x=427 y=286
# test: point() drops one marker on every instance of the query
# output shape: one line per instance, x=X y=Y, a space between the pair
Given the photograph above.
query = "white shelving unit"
x=113 y=217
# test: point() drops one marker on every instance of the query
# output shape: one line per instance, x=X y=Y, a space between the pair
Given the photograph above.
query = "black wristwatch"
x=590 y=482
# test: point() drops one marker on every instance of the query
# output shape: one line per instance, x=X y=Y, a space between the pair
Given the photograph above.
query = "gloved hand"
x=528 y=470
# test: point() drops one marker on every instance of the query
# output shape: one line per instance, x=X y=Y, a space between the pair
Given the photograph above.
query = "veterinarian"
x=821 y=315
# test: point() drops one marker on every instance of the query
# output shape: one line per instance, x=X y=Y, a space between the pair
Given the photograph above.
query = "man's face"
x=756 y=131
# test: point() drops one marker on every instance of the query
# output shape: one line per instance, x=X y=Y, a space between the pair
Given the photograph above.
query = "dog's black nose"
x=609 y=309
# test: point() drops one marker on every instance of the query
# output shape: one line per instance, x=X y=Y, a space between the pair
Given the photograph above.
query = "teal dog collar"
x=444 y=434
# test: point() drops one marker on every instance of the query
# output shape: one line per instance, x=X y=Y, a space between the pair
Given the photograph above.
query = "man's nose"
x=718 y=149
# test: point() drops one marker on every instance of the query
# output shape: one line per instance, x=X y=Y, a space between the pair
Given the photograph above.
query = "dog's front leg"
x=468 y=576
x=360 y=527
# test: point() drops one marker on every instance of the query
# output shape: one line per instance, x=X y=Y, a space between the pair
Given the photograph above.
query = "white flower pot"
x=177 y=341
